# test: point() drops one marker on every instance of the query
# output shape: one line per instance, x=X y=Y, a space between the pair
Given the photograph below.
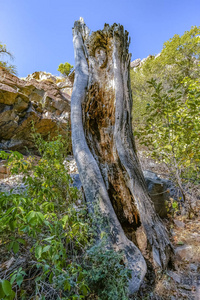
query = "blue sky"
x=39 y=32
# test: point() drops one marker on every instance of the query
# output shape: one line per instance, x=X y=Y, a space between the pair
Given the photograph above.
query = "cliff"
x=41 y=98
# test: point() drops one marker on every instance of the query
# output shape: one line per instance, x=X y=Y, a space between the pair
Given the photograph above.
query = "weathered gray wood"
x=104 y=147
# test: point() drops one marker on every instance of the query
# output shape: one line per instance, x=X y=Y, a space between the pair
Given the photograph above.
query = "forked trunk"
x=104 y=147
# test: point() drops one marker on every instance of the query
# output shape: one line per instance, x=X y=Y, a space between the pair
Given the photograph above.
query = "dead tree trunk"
x=104 y=147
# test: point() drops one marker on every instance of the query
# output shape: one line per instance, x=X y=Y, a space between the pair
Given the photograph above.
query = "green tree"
x=4 y=51
x=179 y=58
x=166 y=95
x=172 y=129
x=65 y=68
x=171 y=132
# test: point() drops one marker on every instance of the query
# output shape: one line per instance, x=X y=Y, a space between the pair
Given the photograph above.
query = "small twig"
x=32 y=277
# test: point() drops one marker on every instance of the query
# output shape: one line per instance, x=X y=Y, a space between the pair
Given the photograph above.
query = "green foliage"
x=6 y=291
x=4 y=51
x=172 y=129
x=173 y=207
x=173 y=125
x=65 y=68
x=181 y=55
x=44 y=219
x=166 y=113
x=102 y=276
x=17 y=276
x=180 y=58
x=48 y=224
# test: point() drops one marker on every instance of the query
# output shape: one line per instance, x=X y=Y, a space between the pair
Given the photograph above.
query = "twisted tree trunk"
x=104 y=147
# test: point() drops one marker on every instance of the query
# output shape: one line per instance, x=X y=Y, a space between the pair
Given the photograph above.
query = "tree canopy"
x=65 y=68
x=179 y=59
x=4 y=64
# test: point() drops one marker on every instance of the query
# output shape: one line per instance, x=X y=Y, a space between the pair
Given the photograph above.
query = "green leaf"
x=9 y=210
x=21 y=241
x=31 y=216
x=46 y=268
x=12 y=279
x=49 y=238
x=17 y=155
x=175 y=205
x=67 y=286
x=40 y=216
x=12 y=296
x=84 y=290
x=51 y=277
x=65 y=219
x=2 y=294
x=19 y=279
x=10 y=246
x=7 y=288
x=15 y=247
x=180 y=243
x=46 y=248
x=80 y=277
x=12 y=225
x=38 y=251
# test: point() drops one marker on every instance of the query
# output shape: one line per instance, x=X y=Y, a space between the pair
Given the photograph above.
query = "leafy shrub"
x=172 y=130
x=105 y=273
x=48 y=226
x=44 y=220
x=179 y=59
x=166 y=115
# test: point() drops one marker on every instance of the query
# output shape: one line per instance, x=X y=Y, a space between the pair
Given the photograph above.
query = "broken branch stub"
x=104 y=147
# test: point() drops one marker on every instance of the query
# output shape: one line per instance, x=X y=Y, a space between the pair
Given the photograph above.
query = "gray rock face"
x=135 y=63
x=138 y=62
x=36 y=99
x=179 y=224
x=160 y=191
x=186 y=252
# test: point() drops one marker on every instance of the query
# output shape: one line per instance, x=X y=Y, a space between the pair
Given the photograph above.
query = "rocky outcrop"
x=135 y=63
x=41 y=98
x=64 y=84
x=138 y=62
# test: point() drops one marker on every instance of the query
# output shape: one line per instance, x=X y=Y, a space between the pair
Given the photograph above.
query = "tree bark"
x=104 y=147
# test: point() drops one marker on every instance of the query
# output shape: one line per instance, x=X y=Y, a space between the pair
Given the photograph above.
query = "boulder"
x=179 y=224
x=138 y=62
x=160 y=191
x=135 y=63
x=186 y=252
x=36 y=99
